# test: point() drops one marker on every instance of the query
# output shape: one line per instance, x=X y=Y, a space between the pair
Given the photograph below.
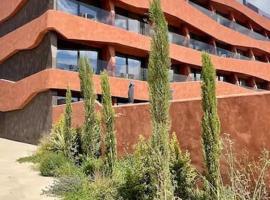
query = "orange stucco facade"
x=243 y=111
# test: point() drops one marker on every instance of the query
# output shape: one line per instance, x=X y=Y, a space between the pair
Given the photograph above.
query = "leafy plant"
x=50 y=163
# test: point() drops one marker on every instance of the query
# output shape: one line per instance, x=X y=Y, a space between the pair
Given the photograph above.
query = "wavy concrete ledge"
x=252 y=15
x=31 y=34
x=15 y=95
x=8 y=8
x=182 y=10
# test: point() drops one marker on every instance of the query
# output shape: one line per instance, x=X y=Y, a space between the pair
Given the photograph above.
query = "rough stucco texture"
x=245 y=118
x=28 y=124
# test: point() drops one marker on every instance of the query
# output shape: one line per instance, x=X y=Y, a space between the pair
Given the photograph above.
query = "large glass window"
x=67 y=60
x=87 y=11
x=68 y=6
x=128 y=67
x=92 y=57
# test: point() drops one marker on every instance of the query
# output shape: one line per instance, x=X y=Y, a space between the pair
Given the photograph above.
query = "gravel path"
x=19 y=181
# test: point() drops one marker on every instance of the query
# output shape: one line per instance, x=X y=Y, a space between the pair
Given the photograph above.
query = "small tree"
x=108 y=118
x=91 y=129
x=67 y=130
x=184 y=174
x=159 y=92
x=210 y=126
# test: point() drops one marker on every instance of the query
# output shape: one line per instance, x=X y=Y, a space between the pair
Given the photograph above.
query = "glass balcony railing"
x=230 y=24
x=133 y=25
x=67 y=61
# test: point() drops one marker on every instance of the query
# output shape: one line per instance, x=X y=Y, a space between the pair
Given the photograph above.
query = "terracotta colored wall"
x=28 y=62
x=9 y=7
x=15 y=95
x=25 y=13
x=61 y=22
x=245 y=118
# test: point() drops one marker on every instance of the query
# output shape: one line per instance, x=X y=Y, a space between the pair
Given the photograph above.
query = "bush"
x=90 y=166
x=51 y=162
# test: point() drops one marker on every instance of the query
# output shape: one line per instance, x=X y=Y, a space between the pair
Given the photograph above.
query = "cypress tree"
x=159 y=94
x=67 y=123
x=108 y=118
x=91 y=129
x=210 y=126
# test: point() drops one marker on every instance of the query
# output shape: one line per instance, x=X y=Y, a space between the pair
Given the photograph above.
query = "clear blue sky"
x=262 y=4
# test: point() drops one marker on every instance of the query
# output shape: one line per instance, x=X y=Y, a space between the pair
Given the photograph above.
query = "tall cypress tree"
x=210 y=126
x=159 y=93
x=91 y=129
x=108 y=118
x=67 y=123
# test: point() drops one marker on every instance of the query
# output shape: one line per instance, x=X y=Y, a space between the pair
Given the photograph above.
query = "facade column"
x=234 y=79
x=251 y=54
x=109 y=6
x=251 y=82
x=187 y=35
x=51 y=63
x=214 y=44
x=267 y=59
x=185 y=70
x=108 y=54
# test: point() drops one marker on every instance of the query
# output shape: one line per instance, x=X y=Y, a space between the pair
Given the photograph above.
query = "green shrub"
x=90 y=166
x=51 y=162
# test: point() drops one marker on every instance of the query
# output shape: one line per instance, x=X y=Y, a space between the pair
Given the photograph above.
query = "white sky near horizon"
x=261 y=4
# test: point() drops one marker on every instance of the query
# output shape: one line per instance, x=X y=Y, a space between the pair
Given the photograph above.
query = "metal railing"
x=229 y=23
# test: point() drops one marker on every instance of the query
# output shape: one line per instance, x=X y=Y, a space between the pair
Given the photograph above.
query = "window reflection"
x=128 y=67
x=69 y=59
x=68 y=6
x=88 y=12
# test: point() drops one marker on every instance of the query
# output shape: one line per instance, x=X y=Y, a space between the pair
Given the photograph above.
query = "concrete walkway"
x=20 y=181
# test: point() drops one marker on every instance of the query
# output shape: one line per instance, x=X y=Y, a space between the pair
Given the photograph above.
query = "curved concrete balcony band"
x=8 y=8
x=181 y=10
x=229 y=23
x=20 y=93
x=252 y=15
x=31 y=34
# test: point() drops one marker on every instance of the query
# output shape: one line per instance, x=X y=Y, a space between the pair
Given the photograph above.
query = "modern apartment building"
x=42 y=41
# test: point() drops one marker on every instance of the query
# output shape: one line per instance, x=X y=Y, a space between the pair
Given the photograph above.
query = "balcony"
x=93 y=13
x=254 y=8
x=69 y=59
x=230 y=24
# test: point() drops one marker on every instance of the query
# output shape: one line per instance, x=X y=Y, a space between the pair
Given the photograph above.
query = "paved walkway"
x=19 y=181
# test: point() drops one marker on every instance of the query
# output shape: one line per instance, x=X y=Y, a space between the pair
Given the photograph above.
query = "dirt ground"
x=20 y=181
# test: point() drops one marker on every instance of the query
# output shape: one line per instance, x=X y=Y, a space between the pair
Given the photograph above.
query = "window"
x=67 y=60
x=130 y=22
x=242 y=82
x=87 y=11
x=128 y=67
x=68 y=6
x=196 y=75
